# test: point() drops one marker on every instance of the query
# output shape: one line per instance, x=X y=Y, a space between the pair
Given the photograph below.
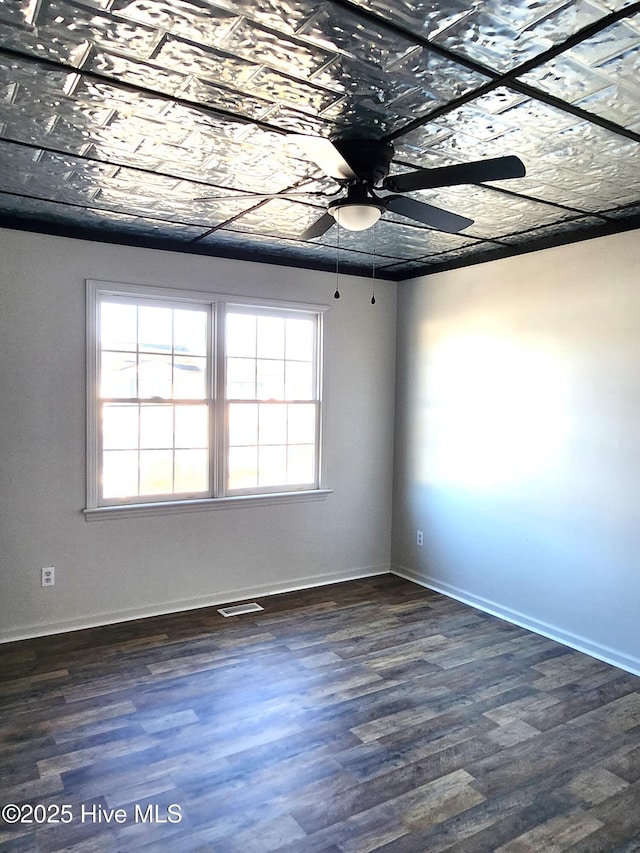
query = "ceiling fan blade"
x=497 y=169
x=318 y=228
x=324 y=154
x=434 y=217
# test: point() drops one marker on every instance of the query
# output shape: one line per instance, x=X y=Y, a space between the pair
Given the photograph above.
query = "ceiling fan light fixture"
x=355 y=216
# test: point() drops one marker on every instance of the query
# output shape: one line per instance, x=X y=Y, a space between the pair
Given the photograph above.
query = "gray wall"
x=115 y=569
x=518 y=441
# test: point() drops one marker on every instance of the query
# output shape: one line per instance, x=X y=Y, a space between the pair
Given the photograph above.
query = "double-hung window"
x=197 y=400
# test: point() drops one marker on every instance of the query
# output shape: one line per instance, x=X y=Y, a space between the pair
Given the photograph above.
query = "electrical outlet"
x=49 y=576
x=419 y=537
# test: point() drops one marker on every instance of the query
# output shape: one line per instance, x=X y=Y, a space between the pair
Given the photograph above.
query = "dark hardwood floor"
x=369 y=715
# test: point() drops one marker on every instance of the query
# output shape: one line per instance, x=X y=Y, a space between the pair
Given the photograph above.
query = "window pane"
x=243 y=424
x=118 y=375
x=270 y=337
x=191 y=471
x=156 y=427
x=156 y=472
x=299 y=381
x=190 y=332
x=192 y=426
x=302 y=424
x=119 y=427
x=300 y=464
x=280 y=367
x=270 y=379
x=273 y=423
x=272 y=466
x=243 y=468
x=241 y=379
x=155 y=375
x=119 y=474
x=118 y=326
x=241 y=335
x=155 y=328
x=300 y=339
x=189 y=378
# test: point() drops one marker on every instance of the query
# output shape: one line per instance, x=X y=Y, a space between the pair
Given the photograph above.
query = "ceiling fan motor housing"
x=369 y=158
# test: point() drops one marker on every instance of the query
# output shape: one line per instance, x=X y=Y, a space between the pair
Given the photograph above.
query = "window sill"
x=102 y=513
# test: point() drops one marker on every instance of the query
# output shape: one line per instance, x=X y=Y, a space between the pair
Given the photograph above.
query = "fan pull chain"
x=373 y=267
x=336 y=295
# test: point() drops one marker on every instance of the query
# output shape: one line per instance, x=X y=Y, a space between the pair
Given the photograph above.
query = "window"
x=198 y=399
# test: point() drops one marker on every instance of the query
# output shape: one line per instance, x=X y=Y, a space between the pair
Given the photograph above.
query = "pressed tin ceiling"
x=118 y=116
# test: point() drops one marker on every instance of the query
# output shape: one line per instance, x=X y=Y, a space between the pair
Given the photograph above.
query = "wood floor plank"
x=371 y=715
x=556 y=834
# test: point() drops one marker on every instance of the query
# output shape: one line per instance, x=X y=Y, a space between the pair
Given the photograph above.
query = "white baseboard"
x=44 y=629
x=581 y=644
x=573 y=641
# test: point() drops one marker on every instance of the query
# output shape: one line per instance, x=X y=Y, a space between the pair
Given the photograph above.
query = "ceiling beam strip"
x=587 y=32
x=101 y=161
x=556 y=204
x=415 y=38
x=97 y=208
x=572 y=109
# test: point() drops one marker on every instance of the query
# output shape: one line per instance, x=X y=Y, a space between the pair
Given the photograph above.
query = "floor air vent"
x=239 y=609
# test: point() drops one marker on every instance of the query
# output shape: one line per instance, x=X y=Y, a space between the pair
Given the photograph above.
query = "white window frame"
x=217 y=498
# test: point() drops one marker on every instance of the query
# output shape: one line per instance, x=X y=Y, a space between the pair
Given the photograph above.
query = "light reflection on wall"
x=493 y=410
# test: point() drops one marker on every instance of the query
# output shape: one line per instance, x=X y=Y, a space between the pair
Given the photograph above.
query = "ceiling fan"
x=361 y=167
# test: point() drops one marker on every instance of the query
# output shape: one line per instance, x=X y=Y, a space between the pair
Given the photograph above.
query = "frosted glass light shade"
x=355 y=217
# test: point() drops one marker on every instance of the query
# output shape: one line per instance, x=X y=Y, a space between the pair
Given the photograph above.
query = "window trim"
x=101 y=513
x=95 y=289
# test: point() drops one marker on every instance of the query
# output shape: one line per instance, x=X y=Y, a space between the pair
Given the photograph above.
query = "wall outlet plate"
x=48 y=576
